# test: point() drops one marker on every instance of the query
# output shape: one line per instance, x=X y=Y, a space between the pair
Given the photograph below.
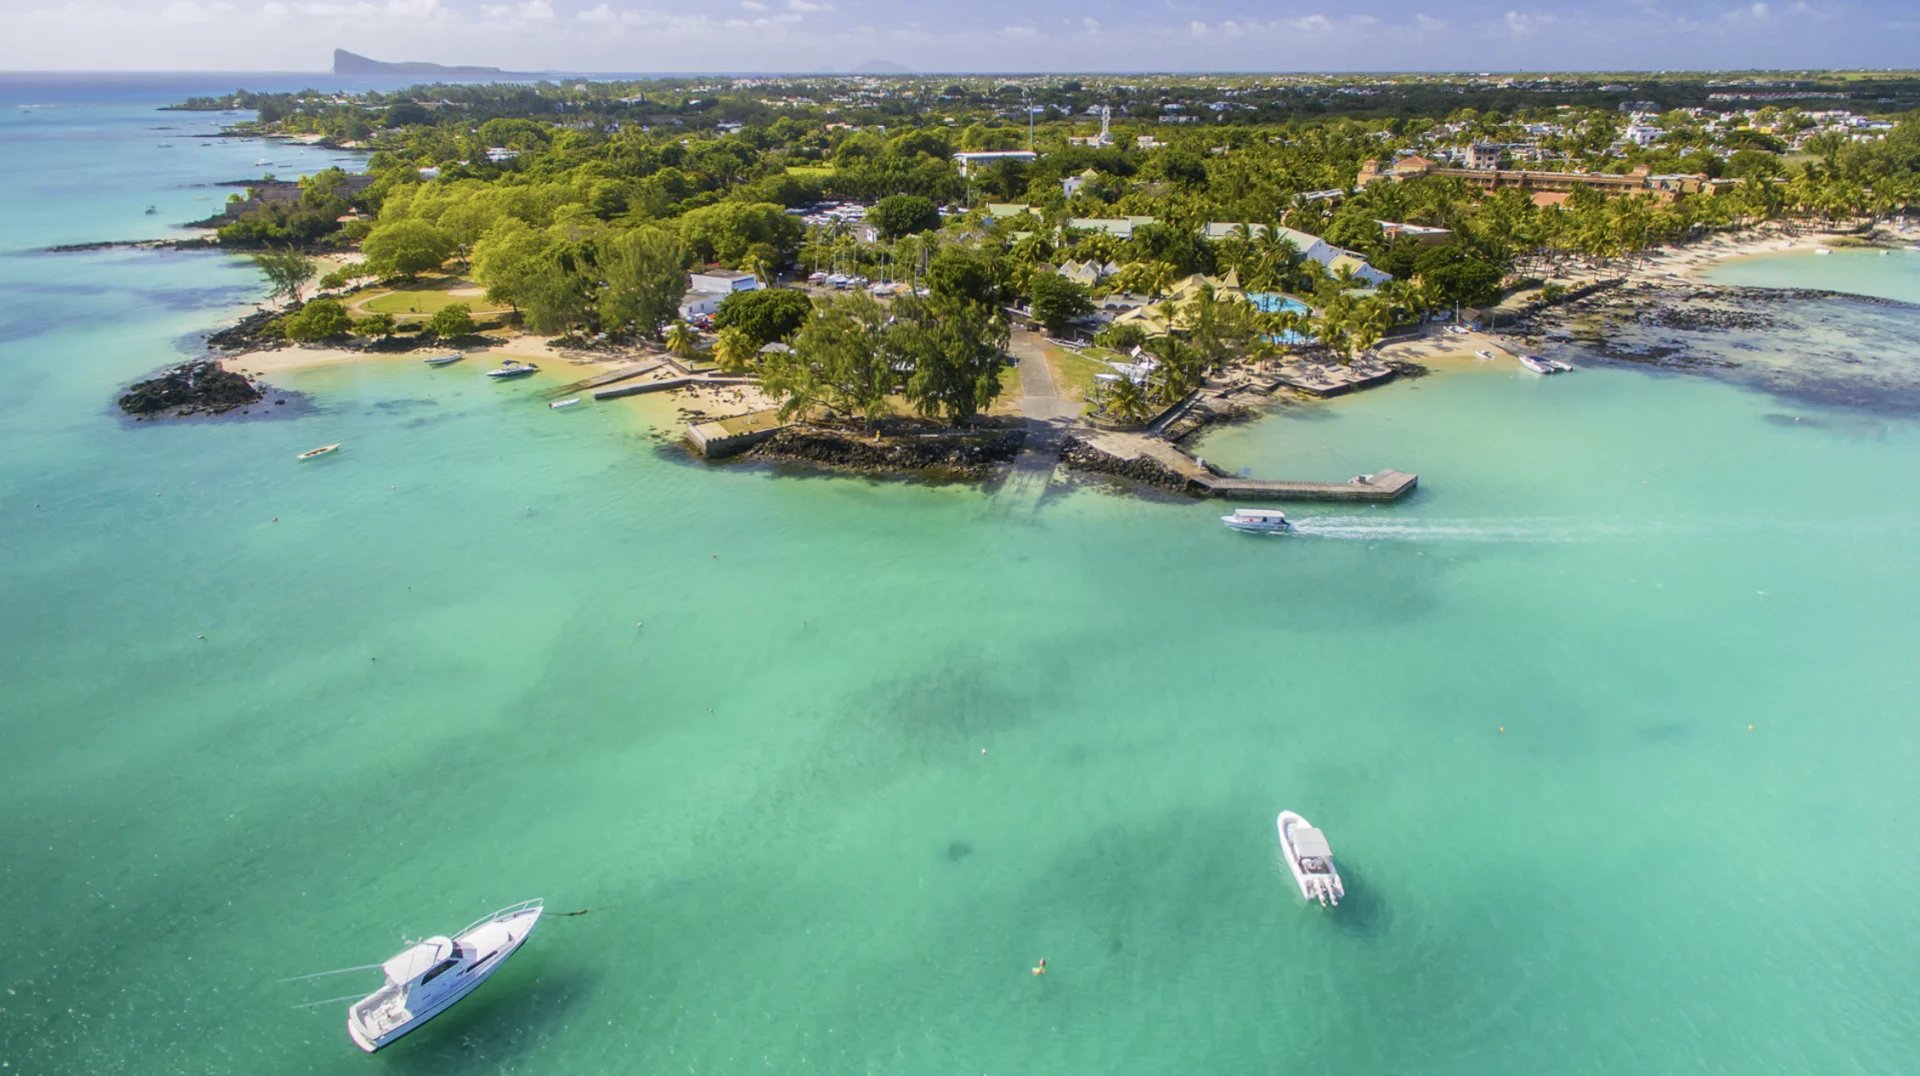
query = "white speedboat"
x=569 y=402
x=513 y=368
x=444 y=360
x=1483 y=353
x=427 y=978
x=1541 y=365
x=1310 y=860
x=1258 y=521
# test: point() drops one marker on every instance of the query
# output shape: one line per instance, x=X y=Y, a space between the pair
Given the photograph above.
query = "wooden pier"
x=1388 y=485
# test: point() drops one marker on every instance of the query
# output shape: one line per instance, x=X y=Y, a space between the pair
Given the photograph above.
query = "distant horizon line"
x=511 y=75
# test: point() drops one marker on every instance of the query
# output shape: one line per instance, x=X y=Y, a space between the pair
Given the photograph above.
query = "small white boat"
x=1258 y=521
x=321 y=451
x=1821 y=250
x=1539 y=364
x=262 y=163
x=444 y=360
x=1483 y=353
x=427 y=978
x=1560 y=367
x=1310 y=860
x=513 y=368
x=569 y=402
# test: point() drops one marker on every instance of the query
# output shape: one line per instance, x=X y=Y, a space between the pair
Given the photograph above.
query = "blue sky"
x=987 y=35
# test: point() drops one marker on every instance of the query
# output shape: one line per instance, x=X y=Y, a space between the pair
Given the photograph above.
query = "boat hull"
x=374 y=1042
x=1247 y=527
x=1326 y=889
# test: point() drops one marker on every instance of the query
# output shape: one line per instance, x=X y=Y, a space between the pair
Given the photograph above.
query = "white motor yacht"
x=1258 y=521
x=1310 y=860
x=1540 y=364
x=427 y=978
x=513 y=368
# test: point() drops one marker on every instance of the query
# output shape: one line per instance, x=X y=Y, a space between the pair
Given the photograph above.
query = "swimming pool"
x=1272 y=303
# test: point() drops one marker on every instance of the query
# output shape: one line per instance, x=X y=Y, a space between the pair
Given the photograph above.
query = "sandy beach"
x=539 y=350
x=1675 y=265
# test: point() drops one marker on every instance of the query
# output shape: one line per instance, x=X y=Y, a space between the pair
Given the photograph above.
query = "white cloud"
x=1019 y=31
x=808 y=7
x=1196 y=28
x=525 y=11
x=753 y=5
x=1522 y=23
x=1313 y=24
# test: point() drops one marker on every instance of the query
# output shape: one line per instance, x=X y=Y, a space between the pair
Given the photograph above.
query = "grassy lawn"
x=750 y=422
x=818 y=171
x=424 y=302
x=1074 y=373
x=1009 y=399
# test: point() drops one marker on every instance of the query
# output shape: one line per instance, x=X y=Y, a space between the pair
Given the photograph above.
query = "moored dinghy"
x=1311 y=860
x=321 y=451
x=444 y=360
x=426 y=979
x=568 y=402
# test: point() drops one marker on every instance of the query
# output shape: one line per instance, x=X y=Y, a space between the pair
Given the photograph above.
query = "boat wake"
x=1536 y=531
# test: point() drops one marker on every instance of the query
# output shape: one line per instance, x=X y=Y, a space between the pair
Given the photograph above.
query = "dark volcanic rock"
x=957 y=455
x=248 y=334
x=194 y=388
x=1084 y=457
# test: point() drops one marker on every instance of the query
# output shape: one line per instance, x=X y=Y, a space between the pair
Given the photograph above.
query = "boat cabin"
x=422 y=963
x=1311 y=848
x=1270 y=515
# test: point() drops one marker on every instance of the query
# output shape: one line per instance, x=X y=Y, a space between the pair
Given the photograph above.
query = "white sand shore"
x=539 y=350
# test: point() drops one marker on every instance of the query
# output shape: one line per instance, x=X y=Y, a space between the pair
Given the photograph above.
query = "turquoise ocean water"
x=879 y=747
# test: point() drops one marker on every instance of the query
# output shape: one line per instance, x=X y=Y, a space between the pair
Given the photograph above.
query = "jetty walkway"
x=1148 y=458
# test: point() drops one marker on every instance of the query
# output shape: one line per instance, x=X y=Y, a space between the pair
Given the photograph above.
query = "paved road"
x=1048 y=413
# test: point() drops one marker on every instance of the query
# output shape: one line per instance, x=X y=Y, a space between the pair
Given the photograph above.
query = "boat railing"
x=507 y=912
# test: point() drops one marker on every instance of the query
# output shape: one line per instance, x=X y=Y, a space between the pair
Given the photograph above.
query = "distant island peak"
x=352 y=63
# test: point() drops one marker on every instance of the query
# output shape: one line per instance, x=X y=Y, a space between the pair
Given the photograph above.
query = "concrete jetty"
x=668 y=385
x=1151 y=460
x=625 y=373
x=1387 y=485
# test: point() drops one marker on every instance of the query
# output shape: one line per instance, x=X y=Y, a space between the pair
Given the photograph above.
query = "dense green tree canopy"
x=454 y=319
x=320 y=319
x=764 y=314
x=904 y=214
x=406 y=248
x=1058 y=302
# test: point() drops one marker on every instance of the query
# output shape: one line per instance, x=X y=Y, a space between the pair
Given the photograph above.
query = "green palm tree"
x=734 y=350
x=1125 y=401
x=1179 y=368
x=682 y=339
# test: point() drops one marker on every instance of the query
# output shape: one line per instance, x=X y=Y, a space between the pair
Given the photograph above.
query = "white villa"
x=706 y=289
x=968 y=161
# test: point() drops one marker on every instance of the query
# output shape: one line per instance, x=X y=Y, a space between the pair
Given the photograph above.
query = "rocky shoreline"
x=1078 y=455
x=970 y=456
x=200 y=387
x=195 y=243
